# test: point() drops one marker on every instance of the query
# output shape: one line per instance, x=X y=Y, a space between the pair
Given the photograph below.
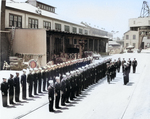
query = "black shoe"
x=67 y=102
x=63 y=104
x=18 y=101
x=36 y=94
x=13 y=103
x=52 y=110
x=5 y=106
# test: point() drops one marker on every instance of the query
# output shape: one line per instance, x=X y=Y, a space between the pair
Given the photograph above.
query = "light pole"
x=114 y=32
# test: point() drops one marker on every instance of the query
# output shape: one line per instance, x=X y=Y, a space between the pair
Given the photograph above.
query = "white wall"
x=26 y=16
x=130 y=41
x=135 y=22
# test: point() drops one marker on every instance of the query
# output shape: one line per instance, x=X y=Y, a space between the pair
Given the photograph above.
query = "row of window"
x=46 y=7
x=16 y=21
x=127 y=37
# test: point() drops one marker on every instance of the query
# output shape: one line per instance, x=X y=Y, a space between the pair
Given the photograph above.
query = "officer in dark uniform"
x=35 y=81
x=108 y=73
x=67 y=87
x=23 y=84
x=118 y=65
x=17 y=87
x=4 y=89
x=57 y=93
x=134 y=64
x=123 y=61
x=129 y=61
x=125 y=74
x=30 y=79
x=11 y=89
x=71 y=85
x=44 y=78
x=51 y=95
x=39 y=80
x=63 y=90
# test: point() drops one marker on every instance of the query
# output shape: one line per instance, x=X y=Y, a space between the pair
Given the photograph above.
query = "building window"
x=127 y=44
x=47 y=25
x=57 y=26
x=75 y=41
x=86 y=32
x=134 y=45
x=15 y=20
x=80 y=31
x=33 y=23
x=134 y=37
x=74 y=30
x=133 y=22
x=127 y=37
x=67 y=28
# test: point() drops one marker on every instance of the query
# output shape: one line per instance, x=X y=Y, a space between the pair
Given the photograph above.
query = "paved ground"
x=99 y=101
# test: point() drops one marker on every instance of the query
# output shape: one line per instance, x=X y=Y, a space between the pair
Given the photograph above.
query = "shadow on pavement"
x=64 y=108
x=70 y=105
x=10 y=107
x=58 y=111
x=36 y=97
x=130 y=84
x=73 y=103
x=29 y=99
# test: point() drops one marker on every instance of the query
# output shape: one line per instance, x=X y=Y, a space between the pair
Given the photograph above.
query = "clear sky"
x=108 y=14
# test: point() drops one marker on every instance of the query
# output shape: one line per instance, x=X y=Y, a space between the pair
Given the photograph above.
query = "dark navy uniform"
x=57 y=92
x=17 y=87
x=63 y=89
x=4 y=90
x=23 y=83
x=30 y=79
x=134 y=64
x=39 y=81
x=118 y=64
x=11 y=89
x=51 y=97
x=35 y=83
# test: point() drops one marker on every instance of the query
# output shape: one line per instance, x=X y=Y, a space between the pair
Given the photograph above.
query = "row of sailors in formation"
x=112 y=67
x=37 y=79
x=72 y=84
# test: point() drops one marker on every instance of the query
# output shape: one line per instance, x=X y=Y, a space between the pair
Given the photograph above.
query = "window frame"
x=47 y=27
x=32 y=23
x=13 y=20
x=56 y=24
x=81 y=31
x=66 y=28
x=74 y=29
x=134 y=37
x=127 y=37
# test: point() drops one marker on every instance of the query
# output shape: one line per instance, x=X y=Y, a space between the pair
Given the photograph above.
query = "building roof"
x=113 y=43
x=32 y=9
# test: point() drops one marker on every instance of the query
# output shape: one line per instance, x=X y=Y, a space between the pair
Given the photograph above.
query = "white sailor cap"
x=50 y=81
x=67 y=73
x=63 y=76
x=24 y=70
x=57 y=77
x=72 y=72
